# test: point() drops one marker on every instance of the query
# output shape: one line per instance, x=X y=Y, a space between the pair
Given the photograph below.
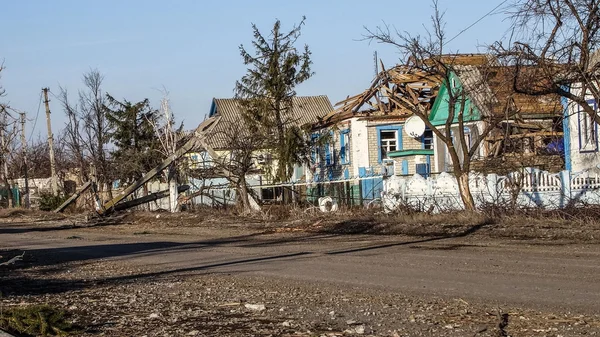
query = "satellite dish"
x=414 y=126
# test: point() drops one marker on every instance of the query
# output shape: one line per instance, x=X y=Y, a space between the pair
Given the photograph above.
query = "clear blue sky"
x=191 y=47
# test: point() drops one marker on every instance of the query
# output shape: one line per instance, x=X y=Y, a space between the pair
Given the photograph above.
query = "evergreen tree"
x=275 y=69
x=136 y=145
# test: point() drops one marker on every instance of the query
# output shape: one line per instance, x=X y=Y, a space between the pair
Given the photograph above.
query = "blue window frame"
x=315 y=151
x=329 y=157
x=588 y=129
x=345 y=146
x=329 y=151
x=427 y=139
x=389 y=139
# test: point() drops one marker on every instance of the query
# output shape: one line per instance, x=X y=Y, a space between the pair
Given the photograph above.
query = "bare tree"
x=8 y=133
x=72 y=133
x=169 y=139
x=2 y=91
x=87 y=132
x=427 y=61
x=240 y=160
x=561 y=38
x=96 y=128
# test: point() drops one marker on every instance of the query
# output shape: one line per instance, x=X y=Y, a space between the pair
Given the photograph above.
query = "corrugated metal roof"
x=305 y=110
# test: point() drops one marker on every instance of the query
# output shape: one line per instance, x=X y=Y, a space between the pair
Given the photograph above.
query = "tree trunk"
x=465 y=191
x=173 y=193
x=243 y=195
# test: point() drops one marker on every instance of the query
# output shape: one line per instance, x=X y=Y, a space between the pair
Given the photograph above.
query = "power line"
x=476 y=22
x=36 y=118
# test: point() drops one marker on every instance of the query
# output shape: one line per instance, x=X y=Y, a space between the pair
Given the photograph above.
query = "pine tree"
x=275 y=69
x=136 y=146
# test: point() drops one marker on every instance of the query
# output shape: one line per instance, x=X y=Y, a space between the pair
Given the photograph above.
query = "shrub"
x=49 y=202
x=36 y=320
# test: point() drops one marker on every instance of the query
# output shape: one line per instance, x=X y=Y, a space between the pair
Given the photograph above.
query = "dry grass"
x=580 y=224
x=12 y=213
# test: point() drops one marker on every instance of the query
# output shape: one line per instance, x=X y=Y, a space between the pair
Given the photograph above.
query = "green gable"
x=439 y=111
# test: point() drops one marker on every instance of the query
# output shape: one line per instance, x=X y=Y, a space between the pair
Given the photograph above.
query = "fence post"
x=565 y=183
x=492 y=186
x=360 y=193
x=347 y=190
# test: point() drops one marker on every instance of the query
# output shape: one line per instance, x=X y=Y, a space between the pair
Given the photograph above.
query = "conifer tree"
x=275 y=68
x=136 y=146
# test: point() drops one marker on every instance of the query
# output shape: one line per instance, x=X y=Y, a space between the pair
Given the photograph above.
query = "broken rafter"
x=403 y=87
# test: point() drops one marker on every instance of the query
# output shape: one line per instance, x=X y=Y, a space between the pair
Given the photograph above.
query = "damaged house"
x=376 y=133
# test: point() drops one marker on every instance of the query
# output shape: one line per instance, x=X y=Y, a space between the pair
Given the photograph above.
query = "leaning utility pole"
x=25 y=167
x=50 y=144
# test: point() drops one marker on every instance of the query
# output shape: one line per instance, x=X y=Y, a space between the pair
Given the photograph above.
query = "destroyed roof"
x=396 y=91
x=492 y=90
x=229 y=111
x=391 y=93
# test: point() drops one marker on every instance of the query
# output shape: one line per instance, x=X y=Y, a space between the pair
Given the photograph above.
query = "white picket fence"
x=526 y=188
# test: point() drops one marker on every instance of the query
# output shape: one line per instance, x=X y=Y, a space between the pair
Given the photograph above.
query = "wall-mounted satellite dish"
x=414 y=126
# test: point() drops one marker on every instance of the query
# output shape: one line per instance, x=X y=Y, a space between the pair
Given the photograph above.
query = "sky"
x=191 y=48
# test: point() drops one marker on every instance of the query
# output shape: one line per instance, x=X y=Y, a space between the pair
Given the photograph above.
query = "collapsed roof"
x=396 y=92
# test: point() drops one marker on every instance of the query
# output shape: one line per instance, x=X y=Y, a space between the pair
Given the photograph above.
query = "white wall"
x=360 y=144
x=581 y=159
x=442 y=160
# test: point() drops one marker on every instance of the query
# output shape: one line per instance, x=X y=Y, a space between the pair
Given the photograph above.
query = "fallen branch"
x=13 y=260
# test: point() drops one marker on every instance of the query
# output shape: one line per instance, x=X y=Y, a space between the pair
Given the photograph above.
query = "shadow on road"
x=33 y=281
x=464 y=233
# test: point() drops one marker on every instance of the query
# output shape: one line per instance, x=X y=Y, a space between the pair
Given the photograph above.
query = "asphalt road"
x=542 y=276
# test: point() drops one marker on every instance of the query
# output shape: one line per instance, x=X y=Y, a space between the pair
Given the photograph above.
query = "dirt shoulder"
x=206 y=275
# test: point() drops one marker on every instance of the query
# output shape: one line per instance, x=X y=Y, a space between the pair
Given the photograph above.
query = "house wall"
x=441 y=107
x=336 y=169
x=578 y=156
x=405 y=142
x=360 y=150
x=442 y=160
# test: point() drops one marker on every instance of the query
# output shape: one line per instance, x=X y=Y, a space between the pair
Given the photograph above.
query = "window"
x=316 y=156
x=315 y=151
x=468 y=137
x=388 y=141
x=587 y=130
x=205 y=160
x=329 y=154
x=423 y=170
x=427 y=139
x=345 y=147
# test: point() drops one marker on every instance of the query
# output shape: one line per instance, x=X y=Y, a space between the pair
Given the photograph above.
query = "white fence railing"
x=526 y=188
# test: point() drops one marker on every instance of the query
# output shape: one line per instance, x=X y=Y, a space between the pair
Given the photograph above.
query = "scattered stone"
x=359 y=329
x=255 y=307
